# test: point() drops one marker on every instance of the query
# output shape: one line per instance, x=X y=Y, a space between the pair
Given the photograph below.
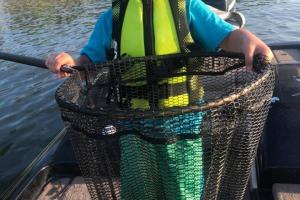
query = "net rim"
x=117 y=113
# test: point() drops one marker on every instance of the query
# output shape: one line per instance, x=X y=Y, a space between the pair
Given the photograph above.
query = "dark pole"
x=23 y=60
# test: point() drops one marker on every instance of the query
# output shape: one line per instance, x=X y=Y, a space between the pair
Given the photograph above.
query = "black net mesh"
x=167 y=127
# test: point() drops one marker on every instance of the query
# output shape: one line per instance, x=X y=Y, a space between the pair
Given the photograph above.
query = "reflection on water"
x=5 y=149
x=46 y=23
x=29 y=117
x=39 y=14
x=249 y=3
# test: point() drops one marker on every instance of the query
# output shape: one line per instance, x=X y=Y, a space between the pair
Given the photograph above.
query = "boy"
x=210 y=33
x=217 y=32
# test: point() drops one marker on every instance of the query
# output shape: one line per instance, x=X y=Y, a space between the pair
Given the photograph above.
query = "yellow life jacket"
x=152 y=27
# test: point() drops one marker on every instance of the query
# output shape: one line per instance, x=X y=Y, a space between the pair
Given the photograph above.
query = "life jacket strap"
x=185 y=39
x=118 y=11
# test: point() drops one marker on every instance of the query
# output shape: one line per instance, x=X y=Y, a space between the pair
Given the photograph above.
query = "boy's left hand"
x=242 y=41
x=252 y=46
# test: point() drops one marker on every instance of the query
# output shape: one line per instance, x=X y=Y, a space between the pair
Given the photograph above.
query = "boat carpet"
x=286 y=191
x=65 y=189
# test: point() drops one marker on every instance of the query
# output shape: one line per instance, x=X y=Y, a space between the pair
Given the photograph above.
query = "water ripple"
x=29 y=116
x=273 y=21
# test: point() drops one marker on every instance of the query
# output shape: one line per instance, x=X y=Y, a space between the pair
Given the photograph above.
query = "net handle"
x=258 y=60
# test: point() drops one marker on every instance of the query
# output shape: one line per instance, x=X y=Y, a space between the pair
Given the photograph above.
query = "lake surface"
x=29 y=117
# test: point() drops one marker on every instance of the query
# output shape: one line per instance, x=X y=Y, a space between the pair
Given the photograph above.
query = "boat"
x=55 y=173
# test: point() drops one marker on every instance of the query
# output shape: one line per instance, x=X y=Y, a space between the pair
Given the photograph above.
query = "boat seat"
x=235 y=18
x=225 y=5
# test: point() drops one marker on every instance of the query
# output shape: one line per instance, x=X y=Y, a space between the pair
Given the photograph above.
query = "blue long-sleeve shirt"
x=207 y=29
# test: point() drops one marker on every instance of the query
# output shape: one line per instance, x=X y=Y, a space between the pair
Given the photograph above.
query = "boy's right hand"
x=55 y=61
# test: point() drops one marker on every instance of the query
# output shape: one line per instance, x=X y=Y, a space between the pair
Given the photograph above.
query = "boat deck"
x=65 y=189
x=71 y=189
x=286 y=191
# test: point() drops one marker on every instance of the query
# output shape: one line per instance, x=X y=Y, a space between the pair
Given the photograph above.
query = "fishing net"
x=182 y=126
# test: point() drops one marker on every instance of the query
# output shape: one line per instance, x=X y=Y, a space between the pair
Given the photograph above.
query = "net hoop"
x=201 y=151
x=262 y=67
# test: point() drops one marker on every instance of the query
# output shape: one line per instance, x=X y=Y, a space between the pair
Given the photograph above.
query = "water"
x=29 y=117
x=272 y=20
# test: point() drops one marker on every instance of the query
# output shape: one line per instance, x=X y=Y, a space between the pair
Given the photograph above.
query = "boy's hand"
x=55 y=61
x=242 y=41
x=251 y=46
